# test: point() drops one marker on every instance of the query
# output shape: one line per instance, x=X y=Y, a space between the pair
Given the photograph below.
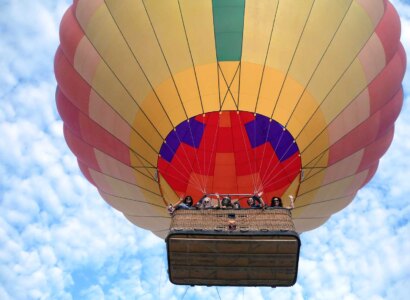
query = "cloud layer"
x=59 y=240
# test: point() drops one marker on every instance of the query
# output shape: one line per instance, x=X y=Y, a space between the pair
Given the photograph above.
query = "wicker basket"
x=237 y=220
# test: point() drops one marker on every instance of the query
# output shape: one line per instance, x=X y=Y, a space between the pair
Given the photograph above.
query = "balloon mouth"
x=229 y=152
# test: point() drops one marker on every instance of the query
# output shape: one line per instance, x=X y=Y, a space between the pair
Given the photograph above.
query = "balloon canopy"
x=162 y=99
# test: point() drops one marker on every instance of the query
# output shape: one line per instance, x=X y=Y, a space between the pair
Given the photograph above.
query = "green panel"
x=228 y=24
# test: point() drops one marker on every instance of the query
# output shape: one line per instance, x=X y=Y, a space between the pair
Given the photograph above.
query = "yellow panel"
x=251 y=75
x=347 y=89
x=315 y=150
x=199 y=25
x=323 y=23
x=312 y=134
x=322 y=208
x=170 y=100
x=129 y=15
x=290 y=19
x=310 y=184
x=355 y=113
x=291 y=190
x=208 y=83
x=372 y=57
x=168 y=193
x=168 y=28
x=117 y=98
x=141 y=147
x=289 y=96
x=153 y=224
x=307 y=224
x=100 y=112
x=374 y=8
x=188 y=91
x=229 y=84
x=133 y=206
x=114 y=91
x=310 y=172
x=270 y=89
x=344 y=187
x=259 y=17
x=116 y=169
x=86 y=59
x=117 y=54
x=162 y=233
x=166 y=20
x=351 y=37
x=343 y=168
x=86 y=9
x=302 y=114
x=125 y=190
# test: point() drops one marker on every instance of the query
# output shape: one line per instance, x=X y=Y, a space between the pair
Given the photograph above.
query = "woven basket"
x=243 y=220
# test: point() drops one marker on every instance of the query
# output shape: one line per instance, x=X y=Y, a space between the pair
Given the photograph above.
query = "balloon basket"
x=246 y=247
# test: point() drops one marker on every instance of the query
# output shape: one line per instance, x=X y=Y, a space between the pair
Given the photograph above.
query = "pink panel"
x=390 y=112
x=101 y=139
x=101 y=112
x=376 y=150
x=70 y=82
x=387 y=83
x=83 y=151
x=84 y=169
x=68 y=112
x=70 y=34
x=388 y=31
x=370 y=173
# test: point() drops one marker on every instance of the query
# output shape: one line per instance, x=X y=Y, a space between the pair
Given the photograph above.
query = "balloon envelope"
x=161 y=99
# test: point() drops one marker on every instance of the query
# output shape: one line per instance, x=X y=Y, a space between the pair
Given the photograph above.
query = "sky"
x=60 y=240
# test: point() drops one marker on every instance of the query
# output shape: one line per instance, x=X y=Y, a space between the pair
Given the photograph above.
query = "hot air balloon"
x=163 y=99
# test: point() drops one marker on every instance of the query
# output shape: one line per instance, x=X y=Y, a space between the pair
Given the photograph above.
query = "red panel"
x=388 y=31
x=390 y=112
x=387 y=83
x=68 y=112
x=225 y=141
x=367 y=132
x=83 y=151
x=70 y=82
x=101 y=139
x=376 y=150
x=226 y=162
x=372 y=170
x=84 y=169
x=70 y=34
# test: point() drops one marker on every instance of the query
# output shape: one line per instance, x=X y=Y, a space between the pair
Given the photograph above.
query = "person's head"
x=188 y=200
x=207 y=200
x=276 y=202
x=236 y=205
x=226 y=201
x=251 y=201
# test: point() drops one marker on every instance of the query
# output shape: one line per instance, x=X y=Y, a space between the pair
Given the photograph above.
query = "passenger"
x=184 y=203
x=277 y=202
x=226 y=202
x=171 y=209
x=236 y=205
x=207 y=202
x=256 y=201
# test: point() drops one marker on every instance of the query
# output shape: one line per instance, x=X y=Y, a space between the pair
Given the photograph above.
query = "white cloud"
x=59 y=240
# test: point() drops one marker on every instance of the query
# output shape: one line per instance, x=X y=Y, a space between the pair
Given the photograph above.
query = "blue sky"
x=60 y=240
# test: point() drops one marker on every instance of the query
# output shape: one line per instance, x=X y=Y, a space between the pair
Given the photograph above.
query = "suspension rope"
x=213 y=152
x=186 y=290
x=247 y=152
